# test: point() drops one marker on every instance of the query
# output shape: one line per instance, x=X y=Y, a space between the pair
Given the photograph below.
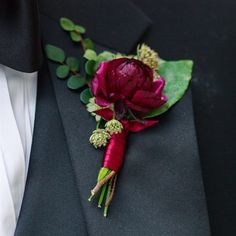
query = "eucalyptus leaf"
x=177 y=75
x=75 y=82
x=66 y=24
x=62 y=71
x=73 y=63
x=85 y=95
x=88 y=43
x=90 y=55
x=76 y=37
x=90 y=67
x=79 y=29
x=105 y=56
x=54 y=53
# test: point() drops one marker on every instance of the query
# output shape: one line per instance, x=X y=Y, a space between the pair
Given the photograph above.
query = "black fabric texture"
x=205 y=31
x=159 y=190
x=116 y=24
x=51 y=204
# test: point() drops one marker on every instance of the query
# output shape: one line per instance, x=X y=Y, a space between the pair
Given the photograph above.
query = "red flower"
x=128 y=84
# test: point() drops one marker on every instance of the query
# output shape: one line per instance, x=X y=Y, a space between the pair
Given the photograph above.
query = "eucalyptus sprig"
x=68 y=67
x=76 y=33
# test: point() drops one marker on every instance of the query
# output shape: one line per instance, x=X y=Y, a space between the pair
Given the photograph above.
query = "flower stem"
x=102 y=182
x=90 y=198
x=109 y=200
x=135 y=117
x=98 y=124
x=107 y=197
x=99 y=180
x=103 y=191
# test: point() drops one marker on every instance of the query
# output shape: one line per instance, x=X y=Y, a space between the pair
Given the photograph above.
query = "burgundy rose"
x=128 y=83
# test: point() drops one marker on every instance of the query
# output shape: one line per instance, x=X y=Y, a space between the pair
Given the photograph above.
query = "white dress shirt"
x=17 y=112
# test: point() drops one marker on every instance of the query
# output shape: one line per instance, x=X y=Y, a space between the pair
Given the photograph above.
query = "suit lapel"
x=161 y=179
x=51 y=196
x=51 y=204
x=117 y=24
x=77 y=122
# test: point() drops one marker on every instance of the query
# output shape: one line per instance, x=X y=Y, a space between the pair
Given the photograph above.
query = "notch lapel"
x=161 y=178
x=51 y=204
x=117 y=24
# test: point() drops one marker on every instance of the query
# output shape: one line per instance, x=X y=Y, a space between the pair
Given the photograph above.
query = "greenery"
x=90 y=55
x=66 y=24
x=75 y=82
x=85 y=95
x=177 y=75
x=73 y=63
x=76 y=33
x=54 y=53
x=88 y=44
x=62 y=71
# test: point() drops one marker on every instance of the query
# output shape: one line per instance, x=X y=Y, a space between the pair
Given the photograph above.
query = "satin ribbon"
x=115 y=151
x=114 y=154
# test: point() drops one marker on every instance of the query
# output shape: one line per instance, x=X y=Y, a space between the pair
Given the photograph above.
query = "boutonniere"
x=124 y=93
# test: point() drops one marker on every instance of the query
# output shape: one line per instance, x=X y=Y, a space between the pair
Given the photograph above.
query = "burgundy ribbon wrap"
x=115 y=151
x=114 y=154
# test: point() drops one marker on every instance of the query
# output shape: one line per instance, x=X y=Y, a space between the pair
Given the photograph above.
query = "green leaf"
x=105 y=56
x=73 y=63
x=85 y=95
x=75 y=36
x=177 y=75
x=62 y=71
x=54 y=53
x=90 y=55
x=75 y=82
x=90 y=67
x=66 y=24
x=88 y=43
x=79 y=29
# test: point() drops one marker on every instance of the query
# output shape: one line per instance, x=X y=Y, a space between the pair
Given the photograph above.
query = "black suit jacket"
x=159 y=191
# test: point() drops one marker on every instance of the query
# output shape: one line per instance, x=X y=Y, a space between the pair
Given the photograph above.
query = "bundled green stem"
x=106 y=183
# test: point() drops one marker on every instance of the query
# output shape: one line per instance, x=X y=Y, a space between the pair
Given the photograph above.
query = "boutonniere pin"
x=124 y=93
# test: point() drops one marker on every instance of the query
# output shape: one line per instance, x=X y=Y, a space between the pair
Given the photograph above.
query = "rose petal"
x=148 y=99
x=136 y=126
x=94 y=86
x=106 y=114
x=129 y=89
x=158 y=86
x=98 y=84
x=114 y=76
x=102 y=101
x=138 y=108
